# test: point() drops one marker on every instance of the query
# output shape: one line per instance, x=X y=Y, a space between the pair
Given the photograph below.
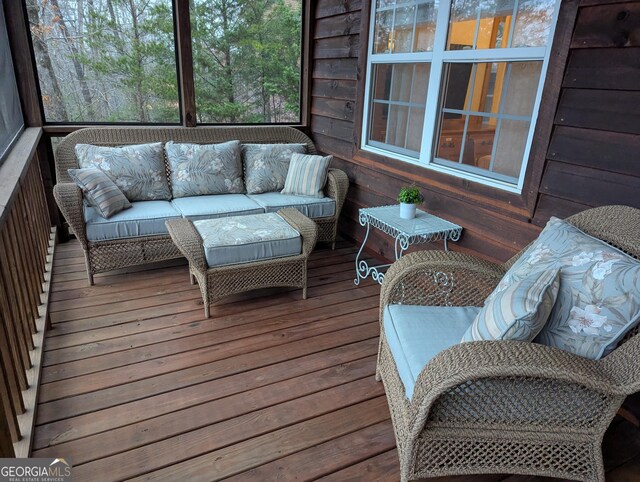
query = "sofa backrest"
x=121 y=136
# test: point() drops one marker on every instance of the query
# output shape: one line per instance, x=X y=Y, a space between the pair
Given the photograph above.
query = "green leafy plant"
x=410 y=195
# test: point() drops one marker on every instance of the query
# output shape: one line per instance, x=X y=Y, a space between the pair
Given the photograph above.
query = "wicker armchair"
x=500 y=406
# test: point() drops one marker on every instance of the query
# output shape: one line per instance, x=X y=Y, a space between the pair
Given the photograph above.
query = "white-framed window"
x=455 y=85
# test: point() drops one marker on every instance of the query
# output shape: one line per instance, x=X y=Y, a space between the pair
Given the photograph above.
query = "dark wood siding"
x=591 y=159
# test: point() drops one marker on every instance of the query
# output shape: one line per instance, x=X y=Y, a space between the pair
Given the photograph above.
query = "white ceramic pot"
x=407 y=211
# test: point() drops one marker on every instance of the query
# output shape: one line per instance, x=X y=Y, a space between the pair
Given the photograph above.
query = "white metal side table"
x=424 y=228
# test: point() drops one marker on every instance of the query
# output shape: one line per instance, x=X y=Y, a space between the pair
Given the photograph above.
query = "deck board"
x=137 y=384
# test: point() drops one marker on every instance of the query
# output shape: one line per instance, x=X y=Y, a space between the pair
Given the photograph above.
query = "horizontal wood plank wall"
x=593 y=155
x=594 y=137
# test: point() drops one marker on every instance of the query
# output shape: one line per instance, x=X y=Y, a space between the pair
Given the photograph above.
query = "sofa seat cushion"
x=143 y=218
x=243 y=239
x=415 y=334
x=310 y=206
x=216 y=206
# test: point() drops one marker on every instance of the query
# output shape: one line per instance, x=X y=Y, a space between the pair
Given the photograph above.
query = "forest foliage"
x=115 y=60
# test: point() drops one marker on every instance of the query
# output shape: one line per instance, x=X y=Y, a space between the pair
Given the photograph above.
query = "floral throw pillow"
x=205 y=169
x=599 y=297
x=138 y=170
x=266 y=165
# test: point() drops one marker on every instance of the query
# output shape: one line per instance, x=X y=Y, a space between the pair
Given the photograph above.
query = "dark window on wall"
x=11 y=122
x=114 y=61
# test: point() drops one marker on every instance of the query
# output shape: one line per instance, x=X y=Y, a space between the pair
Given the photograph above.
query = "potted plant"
x=408 y=197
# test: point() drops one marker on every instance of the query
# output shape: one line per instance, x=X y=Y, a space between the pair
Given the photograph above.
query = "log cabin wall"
x=586 y=143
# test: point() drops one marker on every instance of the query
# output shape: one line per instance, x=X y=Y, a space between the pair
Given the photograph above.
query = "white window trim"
x=437 y=58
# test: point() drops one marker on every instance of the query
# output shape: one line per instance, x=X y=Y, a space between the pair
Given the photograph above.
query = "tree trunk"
x=43 y=60
x=139 y=90
x=77 y=66
x=228 y=70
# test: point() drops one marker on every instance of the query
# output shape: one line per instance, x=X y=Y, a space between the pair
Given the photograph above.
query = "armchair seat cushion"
x=312 y=207
x=415 y=334
x=216 y=206
x=244 y=239
x=144 y=218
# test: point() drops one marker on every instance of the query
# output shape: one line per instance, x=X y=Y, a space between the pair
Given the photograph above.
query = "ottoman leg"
x=304 y=292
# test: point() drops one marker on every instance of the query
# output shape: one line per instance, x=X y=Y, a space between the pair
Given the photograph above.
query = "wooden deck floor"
x=137 y=385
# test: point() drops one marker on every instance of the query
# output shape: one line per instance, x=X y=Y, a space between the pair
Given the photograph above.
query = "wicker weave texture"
x=505 y=407
x=110 y=255
x=217 y=282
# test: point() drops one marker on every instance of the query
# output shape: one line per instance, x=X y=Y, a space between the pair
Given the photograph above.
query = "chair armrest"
x=305 y=226
x=68 y=196
x=520 y=375
x=187 y=239
x=337 y=187
x=439 y=278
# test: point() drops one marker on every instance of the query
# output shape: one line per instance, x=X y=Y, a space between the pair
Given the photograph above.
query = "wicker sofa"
x=108 y=254
x=503 y=407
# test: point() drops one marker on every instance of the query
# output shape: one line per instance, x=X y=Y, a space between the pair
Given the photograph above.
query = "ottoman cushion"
x=243 y=239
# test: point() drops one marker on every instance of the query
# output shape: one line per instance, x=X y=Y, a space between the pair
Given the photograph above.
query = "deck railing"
x=26 y=252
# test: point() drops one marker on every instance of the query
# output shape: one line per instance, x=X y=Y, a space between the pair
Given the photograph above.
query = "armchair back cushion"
x=266 y=165
x=517 y=311
x=205 y=169
x=599 y=297
x=138 y=170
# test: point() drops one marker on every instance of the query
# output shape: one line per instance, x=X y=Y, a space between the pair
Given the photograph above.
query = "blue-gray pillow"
x=599 y=297
x=307 y=175
x=205 y=169
x=100 y=191
x=138 y=171
x=266 y=165
x=517 y=311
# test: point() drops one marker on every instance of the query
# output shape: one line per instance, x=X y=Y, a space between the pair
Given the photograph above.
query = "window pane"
x=512 y=141
x=10 y=111
x=397 y=112
x=479 y=24
x=533 y=23
x=425 y=27
x=246 y=59
x=382 y=35
x=105 y=61
x=483 y=100
x=404 y=28
x=523 y=87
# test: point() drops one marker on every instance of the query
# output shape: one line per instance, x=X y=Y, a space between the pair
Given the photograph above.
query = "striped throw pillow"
x=307 y=175
x=100 y=191
x=519 y=311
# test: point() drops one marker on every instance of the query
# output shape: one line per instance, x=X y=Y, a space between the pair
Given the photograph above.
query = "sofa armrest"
x=336 y=188
x=68 y=196
x=187 y=239
x=510 y=383
x=439 y=278
x=305 y=226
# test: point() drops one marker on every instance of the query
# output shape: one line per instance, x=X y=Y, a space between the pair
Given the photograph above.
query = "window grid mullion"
x=513 y=23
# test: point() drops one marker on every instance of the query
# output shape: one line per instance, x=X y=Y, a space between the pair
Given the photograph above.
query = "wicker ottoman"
x=242 y=253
